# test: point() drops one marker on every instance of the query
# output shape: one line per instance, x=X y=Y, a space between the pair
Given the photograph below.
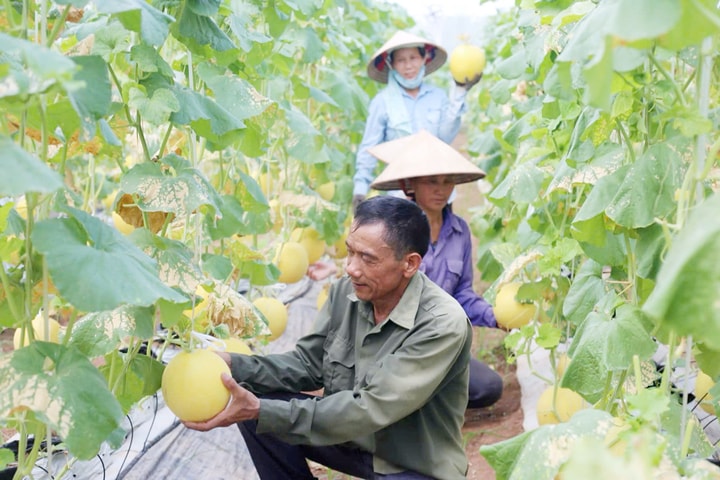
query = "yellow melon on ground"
x=703 y=384
x=40 y=332
x=275 y=312
x=326 y=191
x=292 y=261
x=566 y=404
x=121 y=225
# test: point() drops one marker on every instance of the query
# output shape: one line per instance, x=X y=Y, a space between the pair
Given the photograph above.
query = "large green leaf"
x=94 y=267
x=600 y=243
x=647 y=191
x=240 y=22
x=134 y=376
x=346 y=92
x=237 y=220
x=92 y=101
x=252 y=265
x=23 y=172
x=233 y=93
x=521 y=185
x=599 y=78
x=149 y=60
x=601 y=195
x=303 y=42
x=199 y=30
x=502 y=456
x=202 y=113
x=605 y=343
x=65 y=390
x=585 y=292
x=643 y=19
x=685 y=298
x=156 y=109
x=203 y=7
x=170 y=185
x=139 y=16
x=99 y=333
x=606 y=159
x=518 y=458
x=32 y=68
x=650 y=249
x=176 y=263
x=699 y=19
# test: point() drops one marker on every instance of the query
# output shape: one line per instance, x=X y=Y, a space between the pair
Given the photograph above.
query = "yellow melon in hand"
x=510 y=313
x=191 y=385
x=466 y=62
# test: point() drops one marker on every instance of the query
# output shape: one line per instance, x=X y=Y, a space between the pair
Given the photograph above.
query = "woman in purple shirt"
x=427 y=170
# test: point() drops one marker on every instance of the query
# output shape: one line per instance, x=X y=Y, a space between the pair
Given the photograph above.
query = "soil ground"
x=504 y=419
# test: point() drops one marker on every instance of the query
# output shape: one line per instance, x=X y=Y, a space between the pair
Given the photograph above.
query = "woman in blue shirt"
x=427 y=170
x=408 y=104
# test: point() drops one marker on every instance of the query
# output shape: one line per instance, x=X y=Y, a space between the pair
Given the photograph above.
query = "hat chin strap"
x=408 y=84
x=406 y=188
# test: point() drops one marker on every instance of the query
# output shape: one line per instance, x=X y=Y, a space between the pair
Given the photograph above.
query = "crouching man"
x=389 y=348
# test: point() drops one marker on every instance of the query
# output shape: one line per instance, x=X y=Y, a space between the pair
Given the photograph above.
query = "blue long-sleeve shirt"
x=449 y=264
x=430 y=110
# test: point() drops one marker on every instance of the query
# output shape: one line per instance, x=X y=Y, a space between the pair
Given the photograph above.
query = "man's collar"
x=405 y=311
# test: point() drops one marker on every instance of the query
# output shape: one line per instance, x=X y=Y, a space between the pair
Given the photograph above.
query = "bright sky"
x=445 y=21
x=424 y=8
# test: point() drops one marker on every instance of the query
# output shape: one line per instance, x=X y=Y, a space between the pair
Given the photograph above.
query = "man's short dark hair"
x=406 y=227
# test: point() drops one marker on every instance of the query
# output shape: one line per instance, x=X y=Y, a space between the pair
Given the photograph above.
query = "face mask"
x=411 y=83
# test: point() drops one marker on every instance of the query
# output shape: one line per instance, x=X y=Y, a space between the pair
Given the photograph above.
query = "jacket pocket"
x=451 y=280
x=339 y=366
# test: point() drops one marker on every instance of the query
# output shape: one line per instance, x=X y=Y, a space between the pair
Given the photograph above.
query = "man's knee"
x=486 y=386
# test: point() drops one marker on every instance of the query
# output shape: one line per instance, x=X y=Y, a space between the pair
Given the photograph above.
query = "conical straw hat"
x=378 y=70
x=421 y=155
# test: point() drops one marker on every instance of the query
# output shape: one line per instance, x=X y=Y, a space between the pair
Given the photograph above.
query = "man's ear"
x=412 y=263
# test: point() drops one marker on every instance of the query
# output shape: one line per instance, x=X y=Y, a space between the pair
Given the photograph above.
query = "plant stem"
x=626 y=139
x=668 y=77
x=161 y=152
x=141 y=135
x=10 y=299
x=684 y=411
x=57 y=27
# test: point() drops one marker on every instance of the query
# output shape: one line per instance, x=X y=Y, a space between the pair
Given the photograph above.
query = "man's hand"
x=356 y=201
x=243 y=406
x=321 y=270
x=469 y=82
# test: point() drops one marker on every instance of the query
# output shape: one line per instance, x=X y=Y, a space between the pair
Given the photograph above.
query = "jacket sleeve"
x=374 y=134
x=452 y=112
x=478 y=310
